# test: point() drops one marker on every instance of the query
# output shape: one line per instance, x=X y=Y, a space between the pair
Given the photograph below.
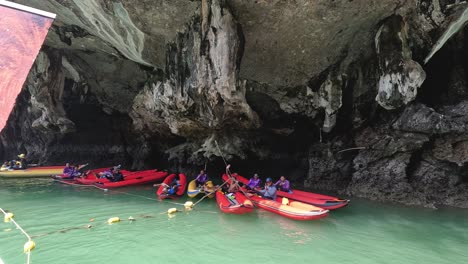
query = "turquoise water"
x=364 y=232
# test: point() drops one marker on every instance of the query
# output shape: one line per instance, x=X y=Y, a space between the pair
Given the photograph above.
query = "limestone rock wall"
x=361 y=97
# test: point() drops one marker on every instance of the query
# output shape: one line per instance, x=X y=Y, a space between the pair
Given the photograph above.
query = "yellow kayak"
x=32 y=172
x=193 y=190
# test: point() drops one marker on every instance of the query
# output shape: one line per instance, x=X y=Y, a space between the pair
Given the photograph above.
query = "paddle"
x=228 y=173
x=82 y=166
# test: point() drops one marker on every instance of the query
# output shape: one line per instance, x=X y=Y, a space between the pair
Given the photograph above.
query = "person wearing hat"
x=22 y=163
x=269 y=192
x=254 y=182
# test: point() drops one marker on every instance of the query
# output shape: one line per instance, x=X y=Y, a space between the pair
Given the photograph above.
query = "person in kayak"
x=269 y=192
x=70 y=171
x=171 y=189
x=283 y=185
x=201 y=179
x=6 y=165
x=231 y=187
x=117 y=175
x=254 y=182
x=108 y=174
x=20 y=164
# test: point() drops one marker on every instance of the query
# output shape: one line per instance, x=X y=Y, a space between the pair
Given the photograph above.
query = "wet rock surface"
x=364 y=99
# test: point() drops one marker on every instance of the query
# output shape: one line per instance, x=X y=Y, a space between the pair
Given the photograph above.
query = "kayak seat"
x=232 y=199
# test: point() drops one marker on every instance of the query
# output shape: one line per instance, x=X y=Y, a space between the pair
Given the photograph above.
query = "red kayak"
x=329 y=204
x=168 y=181
x=319 y=200
x=233 y=203
x=155 y=176
x=93 y=176
x=88 y=174
x=292 y=210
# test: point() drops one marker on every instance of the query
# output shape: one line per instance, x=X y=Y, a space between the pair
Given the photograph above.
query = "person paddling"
x=201 y=181
x=70 y=171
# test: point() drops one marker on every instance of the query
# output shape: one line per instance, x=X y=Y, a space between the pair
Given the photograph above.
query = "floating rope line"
x=82 y=185
x=29 y=245
x=115 y=191
x=112 y=220
x=147 y=198
x=187 y=205
x=210 y=193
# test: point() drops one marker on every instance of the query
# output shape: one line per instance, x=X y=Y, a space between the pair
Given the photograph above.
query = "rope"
x=17 y=225
x=22 y=231
x=147 y=198
x=348 y=149
x=144 y=197
x=131 y=194
x=208 y=194
x=82 y=185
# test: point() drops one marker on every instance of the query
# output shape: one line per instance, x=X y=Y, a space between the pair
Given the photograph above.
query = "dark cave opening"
x=446 y=71
x=99 y=139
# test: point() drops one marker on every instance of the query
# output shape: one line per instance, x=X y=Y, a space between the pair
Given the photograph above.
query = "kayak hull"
x=168 y=180
x=156 y=176
x=193 y=190
x=240 y=205
x=329 y=204
x=92 y=176
x=292 y=210
x=33 y=172
x=319 y=200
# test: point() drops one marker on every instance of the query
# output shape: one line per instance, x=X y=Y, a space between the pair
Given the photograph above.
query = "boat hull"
x=294 y=210
x=92 y=177
x=241 y=204
x=33 y=172
x=193 y=190
x=168 y=180
x=156 y=176
x=319 y=200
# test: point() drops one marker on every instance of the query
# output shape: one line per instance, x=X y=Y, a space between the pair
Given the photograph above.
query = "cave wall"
x=365 y=98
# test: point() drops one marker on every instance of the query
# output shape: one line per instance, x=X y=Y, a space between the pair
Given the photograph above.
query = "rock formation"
x=366 y=98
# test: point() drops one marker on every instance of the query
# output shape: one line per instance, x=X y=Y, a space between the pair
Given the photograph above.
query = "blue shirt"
x=270 y=192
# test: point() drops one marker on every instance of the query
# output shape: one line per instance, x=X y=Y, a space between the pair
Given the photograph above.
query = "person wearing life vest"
x=283 y=185
x=68 y=170
x=20 y=164
x=254 y=182
x=201 y=179
x=71 y=171
x=171 y=189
